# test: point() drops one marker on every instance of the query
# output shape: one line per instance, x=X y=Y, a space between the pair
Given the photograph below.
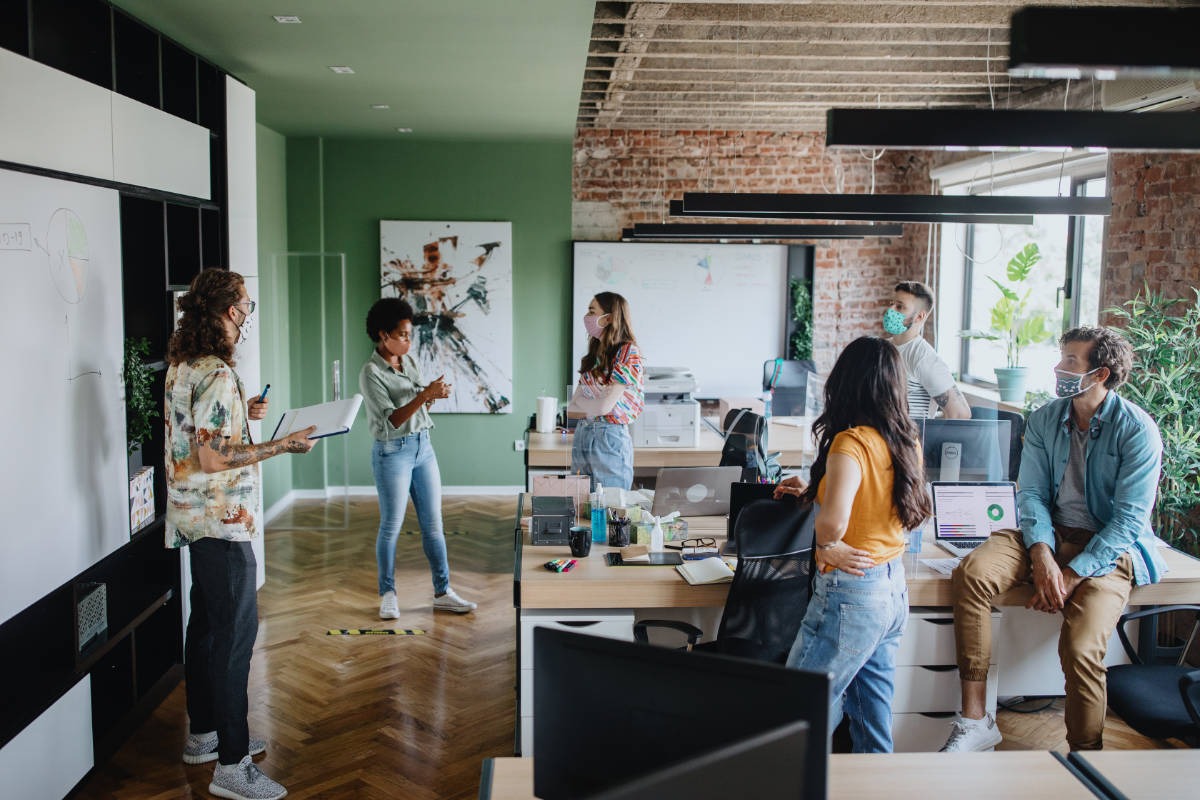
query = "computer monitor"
x=607 y=712
x=763 y=767
x=965 y=449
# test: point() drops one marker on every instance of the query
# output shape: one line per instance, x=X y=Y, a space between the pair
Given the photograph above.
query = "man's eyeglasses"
x=252 y=305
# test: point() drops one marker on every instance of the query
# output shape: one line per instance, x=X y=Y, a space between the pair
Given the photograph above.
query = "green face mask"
x=894 y=322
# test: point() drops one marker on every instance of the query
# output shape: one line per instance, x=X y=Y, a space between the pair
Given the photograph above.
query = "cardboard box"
x=727 y=404
x=141 y=498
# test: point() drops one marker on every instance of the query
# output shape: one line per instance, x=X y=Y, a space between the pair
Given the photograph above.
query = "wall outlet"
x=519 y=445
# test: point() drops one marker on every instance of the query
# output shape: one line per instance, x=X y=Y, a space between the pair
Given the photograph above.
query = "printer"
x=671 y=417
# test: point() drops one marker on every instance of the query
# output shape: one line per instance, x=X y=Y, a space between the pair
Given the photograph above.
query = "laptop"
x=966 y=513
x=694 y=491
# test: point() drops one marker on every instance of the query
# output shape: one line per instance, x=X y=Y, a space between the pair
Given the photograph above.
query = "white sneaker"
x=450 y=601
x=388 y=607
x=244 y=781
x=972 y=735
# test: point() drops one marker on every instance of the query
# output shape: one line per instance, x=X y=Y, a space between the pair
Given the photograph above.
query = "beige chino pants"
x=1089 y=617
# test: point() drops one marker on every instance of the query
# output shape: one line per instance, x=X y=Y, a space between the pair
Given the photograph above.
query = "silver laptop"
x=694 y=491
x=966 y=513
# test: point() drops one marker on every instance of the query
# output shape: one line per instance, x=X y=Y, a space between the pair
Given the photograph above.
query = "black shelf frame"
x=166 y=238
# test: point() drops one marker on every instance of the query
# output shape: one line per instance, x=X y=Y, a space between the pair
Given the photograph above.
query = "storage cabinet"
x=927 y=685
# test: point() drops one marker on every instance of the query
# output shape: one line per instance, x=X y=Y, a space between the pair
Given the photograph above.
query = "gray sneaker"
x=450 y=601
x=202 y=747
x=244 y=781
x=972 y=735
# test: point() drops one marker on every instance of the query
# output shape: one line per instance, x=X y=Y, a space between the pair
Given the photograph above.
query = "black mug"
x=580 y=540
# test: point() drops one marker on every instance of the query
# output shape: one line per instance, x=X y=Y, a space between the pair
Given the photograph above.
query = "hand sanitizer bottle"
x=599 y=517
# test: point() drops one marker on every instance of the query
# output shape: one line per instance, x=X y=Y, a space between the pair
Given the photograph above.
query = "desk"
x=552 y=451
x=1145 y=774
x=608 y=599
x=593 y=584
x=897 y=776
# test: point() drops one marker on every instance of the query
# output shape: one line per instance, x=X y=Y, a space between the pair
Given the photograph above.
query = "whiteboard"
x=718 y=309
x=63 y=479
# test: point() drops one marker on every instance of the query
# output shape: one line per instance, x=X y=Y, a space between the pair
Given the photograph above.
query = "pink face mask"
x=591 y=323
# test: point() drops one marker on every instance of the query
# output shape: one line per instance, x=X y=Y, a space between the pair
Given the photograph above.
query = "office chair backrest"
x=773 y=582
x=788 y=382
x=1016 y=434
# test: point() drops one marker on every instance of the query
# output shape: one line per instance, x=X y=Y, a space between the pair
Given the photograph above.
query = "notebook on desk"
x=966 y=513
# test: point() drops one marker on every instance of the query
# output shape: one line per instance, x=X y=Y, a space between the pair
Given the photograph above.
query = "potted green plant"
x=1014 y=324
x=140 y=408
x=801 y=339
x=1165 y=381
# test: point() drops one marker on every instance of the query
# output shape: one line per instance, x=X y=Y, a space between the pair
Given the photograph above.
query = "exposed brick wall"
x=1153 y=235
x=624 y=177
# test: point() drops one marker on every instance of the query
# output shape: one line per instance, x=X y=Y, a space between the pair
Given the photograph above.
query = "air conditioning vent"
x=1149 y=95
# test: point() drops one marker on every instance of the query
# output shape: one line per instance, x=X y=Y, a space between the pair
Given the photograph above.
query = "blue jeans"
x=852 y=630
x=407 y=466
x=604 y=451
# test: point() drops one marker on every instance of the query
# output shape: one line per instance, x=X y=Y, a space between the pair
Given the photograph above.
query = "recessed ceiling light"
x=342 y=70
x=403 y=130
x=379 y=106
x=287 y=19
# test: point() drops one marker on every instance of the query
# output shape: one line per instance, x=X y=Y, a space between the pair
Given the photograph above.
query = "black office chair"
x=744 y=447
x=788 y=385
x=1161 y=701
x=1016 y=434
x=771 y=587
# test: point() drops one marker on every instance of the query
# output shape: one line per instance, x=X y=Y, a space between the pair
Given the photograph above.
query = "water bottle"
x=599 y=517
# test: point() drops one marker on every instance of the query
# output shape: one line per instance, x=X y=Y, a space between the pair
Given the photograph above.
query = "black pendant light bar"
x=980 y=129
x=677 y=231
x=1104 y=42
x=677 y=210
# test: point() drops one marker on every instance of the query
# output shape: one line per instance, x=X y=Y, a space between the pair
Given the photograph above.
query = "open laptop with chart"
x=966 y=513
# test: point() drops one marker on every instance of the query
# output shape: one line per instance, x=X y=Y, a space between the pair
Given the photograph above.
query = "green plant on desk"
x=1165 y=382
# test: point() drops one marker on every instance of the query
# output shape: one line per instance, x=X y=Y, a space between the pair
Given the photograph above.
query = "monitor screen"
x=965 y=449
x=763 y=767
x=607 y=712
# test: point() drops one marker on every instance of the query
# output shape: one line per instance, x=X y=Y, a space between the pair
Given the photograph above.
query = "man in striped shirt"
x=930 y=384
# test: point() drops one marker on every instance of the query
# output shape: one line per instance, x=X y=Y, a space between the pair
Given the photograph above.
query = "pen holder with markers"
x=618 y=531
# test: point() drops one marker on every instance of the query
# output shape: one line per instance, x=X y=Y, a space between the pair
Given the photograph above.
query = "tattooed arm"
x=219 y=454
x=953 y=404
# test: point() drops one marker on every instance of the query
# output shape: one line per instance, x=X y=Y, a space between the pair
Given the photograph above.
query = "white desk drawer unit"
x=612 y=624
x=927 y=685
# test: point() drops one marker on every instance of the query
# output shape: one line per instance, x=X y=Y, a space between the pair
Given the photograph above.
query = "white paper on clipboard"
x=332 y=418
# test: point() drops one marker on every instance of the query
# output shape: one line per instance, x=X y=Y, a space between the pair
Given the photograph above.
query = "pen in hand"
x=258 y=406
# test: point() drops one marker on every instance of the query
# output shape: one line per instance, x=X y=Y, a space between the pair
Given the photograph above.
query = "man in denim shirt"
x=1089 y=475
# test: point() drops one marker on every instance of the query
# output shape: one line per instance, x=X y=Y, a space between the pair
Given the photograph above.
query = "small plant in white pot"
x=1014 y=324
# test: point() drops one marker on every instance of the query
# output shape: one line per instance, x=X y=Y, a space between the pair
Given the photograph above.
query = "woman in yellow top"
x=868 y=482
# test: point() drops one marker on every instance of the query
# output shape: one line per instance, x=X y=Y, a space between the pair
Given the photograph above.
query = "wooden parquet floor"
x=405 y=717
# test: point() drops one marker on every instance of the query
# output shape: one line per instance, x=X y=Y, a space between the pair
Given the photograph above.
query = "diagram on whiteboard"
x=66 y=249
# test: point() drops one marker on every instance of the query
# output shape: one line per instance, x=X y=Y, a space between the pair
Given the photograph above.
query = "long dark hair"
x=201 y=330
x=602 y=352
x=867 y=386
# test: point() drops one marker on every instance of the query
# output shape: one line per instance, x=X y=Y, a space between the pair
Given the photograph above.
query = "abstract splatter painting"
x=458 y=278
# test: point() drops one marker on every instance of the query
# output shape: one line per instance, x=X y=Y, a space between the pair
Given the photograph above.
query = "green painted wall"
x=273 y=306
x=339 y=190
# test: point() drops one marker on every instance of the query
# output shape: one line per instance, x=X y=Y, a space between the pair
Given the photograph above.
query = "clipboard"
x=331 y=419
